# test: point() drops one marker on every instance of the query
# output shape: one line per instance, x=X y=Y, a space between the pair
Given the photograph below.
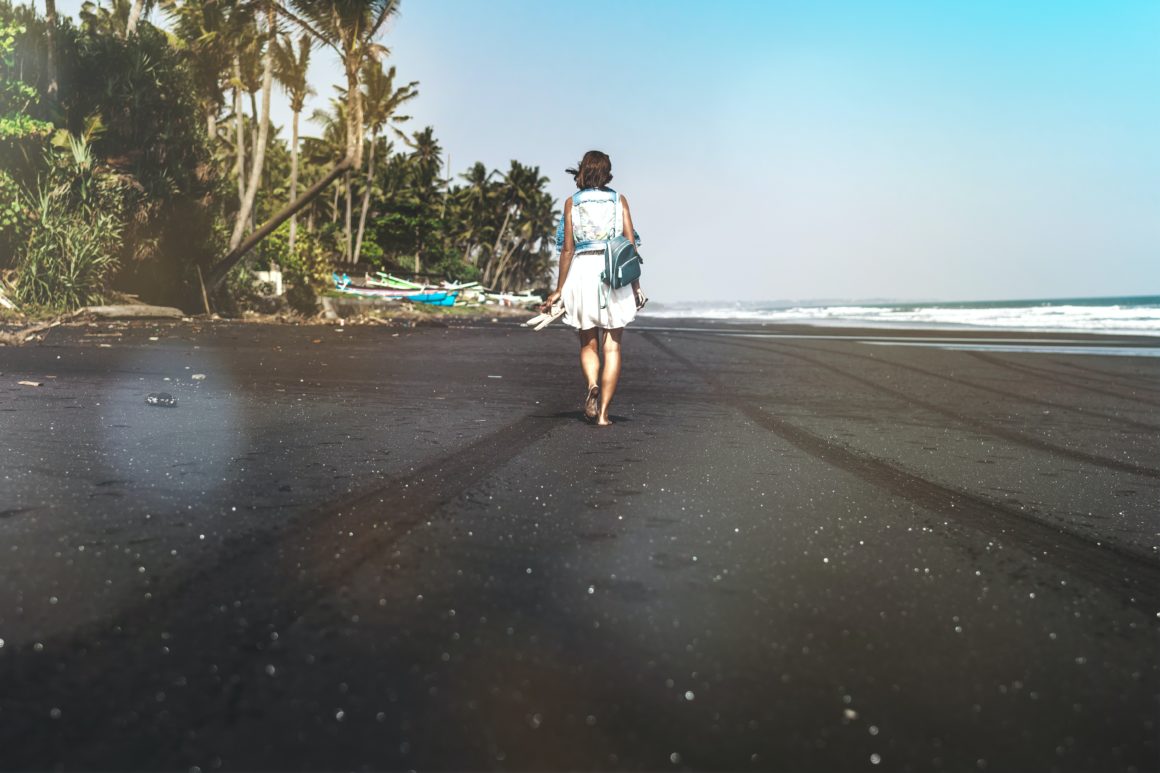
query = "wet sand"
x=799 y=548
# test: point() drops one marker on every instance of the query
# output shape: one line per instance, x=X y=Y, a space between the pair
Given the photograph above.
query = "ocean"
x=1126 y=315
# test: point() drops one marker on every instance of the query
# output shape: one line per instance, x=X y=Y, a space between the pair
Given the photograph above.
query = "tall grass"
x=76 y=236
x=69 y=256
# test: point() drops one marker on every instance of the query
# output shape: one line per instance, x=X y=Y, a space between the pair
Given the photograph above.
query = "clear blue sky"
x=792 y=150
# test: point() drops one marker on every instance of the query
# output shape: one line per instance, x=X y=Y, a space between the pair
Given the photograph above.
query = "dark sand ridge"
x=800 y=553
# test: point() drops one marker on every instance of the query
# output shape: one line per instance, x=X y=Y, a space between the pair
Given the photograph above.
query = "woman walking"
x=594 y=215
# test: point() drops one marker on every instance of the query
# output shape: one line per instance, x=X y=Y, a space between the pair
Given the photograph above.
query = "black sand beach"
x=375 y=548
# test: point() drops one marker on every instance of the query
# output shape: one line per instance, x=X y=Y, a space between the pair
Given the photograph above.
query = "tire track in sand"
x=969 y=421
x=1122 y=572
x=217 y=622
x=994 y=390
x=1063 y=378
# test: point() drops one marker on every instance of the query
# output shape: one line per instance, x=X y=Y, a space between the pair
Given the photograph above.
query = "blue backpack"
x=621 y=263
x=622 y=260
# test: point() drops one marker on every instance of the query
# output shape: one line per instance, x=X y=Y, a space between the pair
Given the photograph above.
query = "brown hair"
x=593 y=171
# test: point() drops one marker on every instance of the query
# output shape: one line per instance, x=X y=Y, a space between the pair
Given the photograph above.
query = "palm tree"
x=530 y=259
x=350 y=28
x=382 y=99
x=139 y=7
x=120 y=19
x=203 y=29
x=475 y=203
x=290 y=69
x=334 y=137
x=249 y=189
x=425 y=161
x=523 y=196
x=332 y=143
x=106 y=21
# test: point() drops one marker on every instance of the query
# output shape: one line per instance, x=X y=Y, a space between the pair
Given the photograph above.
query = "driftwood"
x=22 y=336
x=132 y=311
x=122 y=311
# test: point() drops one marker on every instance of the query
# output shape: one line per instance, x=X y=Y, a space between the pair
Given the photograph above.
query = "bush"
x=453 y=268
x=13 y=213
x=305 y=272
x=21 y=134
x=77 y=223
x=153 y=129
x=69 y=256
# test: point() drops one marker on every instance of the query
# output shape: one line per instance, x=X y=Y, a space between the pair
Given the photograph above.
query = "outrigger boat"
x=393 y=282
x=434 y=297
x=512 y=299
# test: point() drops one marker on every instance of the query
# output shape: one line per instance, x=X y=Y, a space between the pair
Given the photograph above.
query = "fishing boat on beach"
x=513 y=299
x=389 y=281
x=432 y=296
x=440 y=298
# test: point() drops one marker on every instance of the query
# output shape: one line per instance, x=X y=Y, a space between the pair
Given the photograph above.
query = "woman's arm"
x=630 y=234
x=629 y=231
x=565 y=254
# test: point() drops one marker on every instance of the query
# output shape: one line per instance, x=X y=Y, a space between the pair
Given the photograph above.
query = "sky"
x=778 y=150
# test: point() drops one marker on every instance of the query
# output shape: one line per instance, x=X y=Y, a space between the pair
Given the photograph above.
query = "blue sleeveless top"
x=597 y=217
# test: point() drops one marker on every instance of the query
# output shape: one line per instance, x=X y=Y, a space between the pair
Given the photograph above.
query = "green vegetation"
x=138 y=153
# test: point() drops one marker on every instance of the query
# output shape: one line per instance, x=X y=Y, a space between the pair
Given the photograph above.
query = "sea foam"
x=1137 y=316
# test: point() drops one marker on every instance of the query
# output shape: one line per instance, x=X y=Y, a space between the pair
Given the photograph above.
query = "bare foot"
x=604 y=421
x=590 y=404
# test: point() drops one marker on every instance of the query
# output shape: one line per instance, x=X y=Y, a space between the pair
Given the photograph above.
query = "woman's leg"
x=611 y=373
x=590 y=356
x=590 y=364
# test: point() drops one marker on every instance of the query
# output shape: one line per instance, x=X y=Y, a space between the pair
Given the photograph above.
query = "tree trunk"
x=490 y=268
x=239 y=137
x=263 y=132
x=50 y=48
x=366 y=202
x=254 y=123
x=499 y=271
x=346 y=251
x=293 y=178
x=216 y=274
x=354 y=111
x=211 y=124
x=134 y=17
x=419 y=239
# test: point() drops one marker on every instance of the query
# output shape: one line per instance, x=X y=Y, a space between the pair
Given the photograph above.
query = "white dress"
x=588 y=302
